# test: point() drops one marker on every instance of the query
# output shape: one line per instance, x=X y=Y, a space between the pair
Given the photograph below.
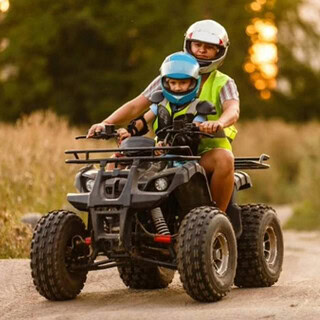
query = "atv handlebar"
x=178 y=127
x=181 y=127
x=108 y=133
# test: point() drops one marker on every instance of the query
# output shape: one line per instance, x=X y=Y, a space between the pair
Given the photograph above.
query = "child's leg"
x=111 y=165
x=220 y=162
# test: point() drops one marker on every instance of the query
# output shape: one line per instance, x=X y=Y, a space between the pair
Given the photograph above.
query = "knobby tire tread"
x=49 y=280
x=191 y=255
x=136 y=276
x=250 y=270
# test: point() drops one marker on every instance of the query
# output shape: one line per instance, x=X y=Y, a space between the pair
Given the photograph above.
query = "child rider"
x=180 y=83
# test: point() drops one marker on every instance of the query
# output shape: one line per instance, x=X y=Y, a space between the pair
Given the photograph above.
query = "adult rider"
x=208 y=42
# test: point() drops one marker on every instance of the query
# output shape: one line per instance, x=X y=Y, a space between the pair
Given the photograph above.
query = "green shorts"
x=207 y=144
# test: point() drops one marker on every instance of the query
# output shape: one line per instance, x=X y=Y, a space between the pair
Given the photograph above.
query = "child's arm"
x=139 y=125
x=149 y=116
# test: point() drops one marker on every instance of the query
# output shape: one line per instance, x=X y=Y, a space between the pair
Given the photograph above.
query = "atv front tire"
x=52 y=254
x=207 y=254
x=260 y=247
x=139 y=276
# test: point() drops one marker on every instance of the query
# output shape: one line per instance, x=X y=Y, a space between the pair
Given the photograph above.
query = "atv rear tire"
x=207 y=254
x=51 y=255
x=139 y=276
x=260 y=247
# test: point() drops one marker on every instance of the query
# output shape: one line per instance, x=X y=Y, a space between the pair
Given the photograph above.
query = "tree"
x=84 y=59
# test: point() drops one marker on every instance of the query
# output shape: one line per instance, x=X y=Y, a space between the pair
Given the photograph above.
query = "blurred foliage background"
x=83 y=59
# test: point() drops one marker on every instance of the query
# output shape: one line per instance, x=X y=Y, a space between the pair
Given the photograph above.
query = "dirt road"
x=295 y=296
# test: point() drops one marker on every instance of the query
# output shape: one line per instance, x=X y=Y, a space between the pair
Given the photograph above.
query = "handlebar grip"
x=220 y=134
x=209 y=135
x=100 y=135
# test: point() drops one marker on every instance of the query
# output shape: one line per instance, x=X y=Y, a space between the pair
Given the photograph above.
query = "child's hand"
x=159 y=152
x=122 y=134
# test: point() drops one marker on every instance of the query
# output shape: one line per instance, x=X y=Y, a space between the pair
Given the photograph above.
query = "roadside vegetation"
x=35 y=178
x=295 y=172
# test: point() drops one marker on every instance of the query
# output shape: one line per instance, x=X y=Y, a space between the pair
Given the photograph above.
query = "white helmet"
x=211 y=32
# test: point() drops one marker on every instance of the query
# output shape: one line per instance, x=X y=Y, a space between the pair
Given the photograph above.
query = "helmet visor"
x=180 y=70
x=205 y=36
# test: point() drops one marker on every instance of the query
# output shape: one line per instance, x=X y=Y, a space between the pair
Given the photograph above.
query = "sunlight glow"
x=249 y=67
x=255 y=6
x=265 y=94
x=4 y=5
x=269 y=70
x=266 y=29
x=4 y=43
x=262 y=60
x=264 y=53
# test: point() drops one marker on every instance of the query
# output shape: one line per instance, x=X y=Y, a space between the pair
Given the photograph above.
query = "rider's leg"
x=220 y=163
x=110 y=166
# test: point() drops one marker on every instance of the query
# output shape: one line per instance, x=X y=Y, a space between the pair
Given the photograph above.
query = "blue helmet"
x=180 y=65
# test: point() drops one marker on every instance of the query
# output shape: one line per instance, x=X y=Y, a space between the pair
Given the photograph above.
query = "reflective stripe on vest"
x=211 y=92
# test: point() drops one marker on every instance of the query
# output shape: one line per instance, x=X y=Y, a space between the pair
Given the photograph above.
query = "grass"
x=35 y=178
x=33 y=174
x=295 y=172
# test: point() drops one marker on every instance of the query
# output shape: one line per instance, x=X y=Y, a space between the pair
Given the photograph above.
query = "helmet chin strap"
x=203 y=63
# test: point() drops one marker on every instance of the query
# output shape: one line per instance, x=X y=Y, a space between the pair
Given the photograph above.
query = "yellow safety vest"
x=211 y=92
x=189 y=109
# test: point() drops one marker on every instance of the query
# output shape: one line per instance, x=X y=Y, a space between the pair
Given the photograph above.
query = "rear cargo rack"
x=252 y=162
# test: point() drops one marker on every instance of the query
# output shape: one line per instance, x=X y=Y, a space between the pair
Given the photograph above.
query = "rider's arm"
x=125 y=113
x=138 y=126
x=130 y=110
x=148 y=116
x=229 y=98
x=136 y=106
x=230 y=114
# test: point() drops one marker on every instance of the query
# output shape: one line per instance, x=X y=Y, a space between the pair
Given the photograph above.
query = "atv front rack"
x=240 y=163
x=150 y=151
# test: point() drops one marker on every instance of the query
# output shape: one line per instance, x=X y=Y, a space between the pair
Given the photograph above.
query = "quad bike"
x=152 y=215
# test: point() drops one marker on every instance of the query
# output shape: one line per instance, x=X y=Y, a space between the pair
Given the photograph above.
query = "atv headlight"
x=161 y=184
x=89 y=184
